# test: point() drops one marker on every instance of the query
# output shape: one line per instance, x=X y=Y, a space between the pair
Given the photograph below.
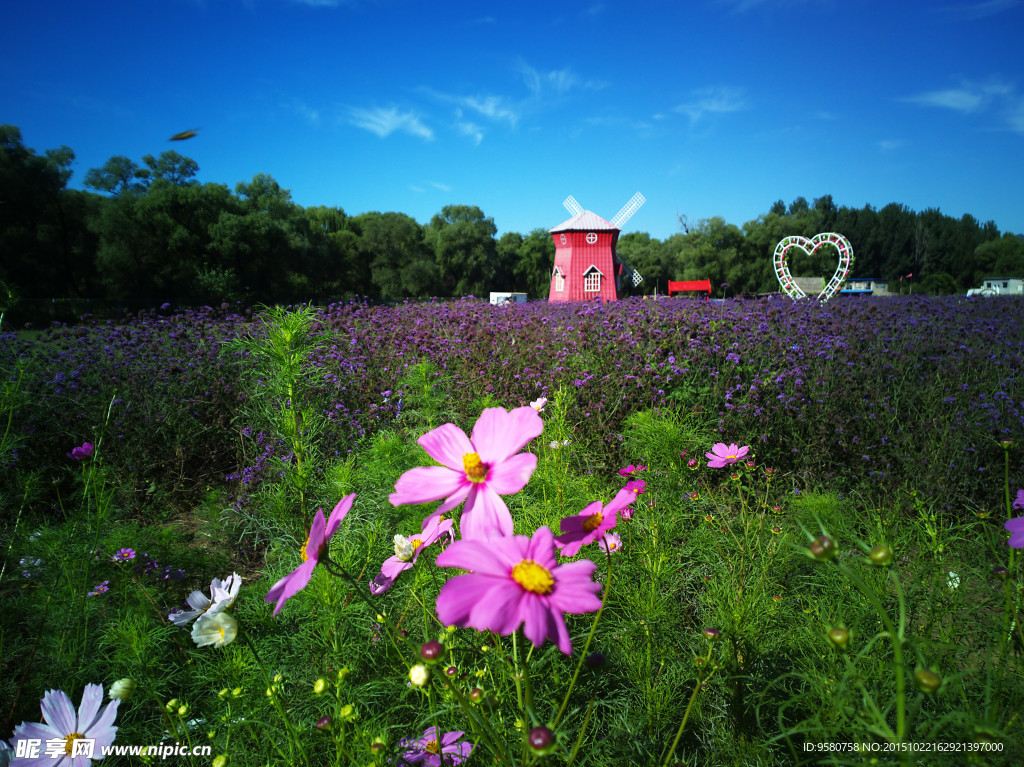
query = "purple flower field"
x=887 y=393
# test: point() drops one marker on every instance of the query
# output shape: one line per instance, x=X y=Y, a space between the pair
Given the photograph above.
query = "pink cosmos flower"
x=81 y=452
x=477 y=470
x=610 y=543
x=316 y=546
x=1019 y=503
x=407 y=550
x=592 y=523
x=1016 y=526
x=513 y=581
x=628 y=471
x=635 y=486
x=62 y=724
x=435 y=749
x=723 y=455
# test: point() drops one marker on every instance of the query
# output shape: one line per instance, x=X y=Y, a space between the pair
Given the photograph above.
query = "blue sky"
x=707 y=107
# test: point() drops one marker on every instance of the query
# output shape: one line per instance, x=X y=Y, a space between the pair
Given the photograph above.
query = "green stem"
x=292 y=733
x=686 y=714
x=586 y=647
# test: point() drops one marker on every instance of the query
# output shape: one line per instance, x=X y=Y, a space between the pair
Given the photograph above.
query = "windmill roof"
x=587 y=221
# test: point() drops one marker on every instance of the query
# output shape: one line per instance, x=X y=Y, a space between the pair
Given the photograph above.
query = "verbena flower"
x=82 y=452
x=222 y=596
x=60 y=722
x=218 y=629
x=723 y=455
x=436 y=748
x=514 y=581
x=1016 y=527
x=315 y=547
x=591 y=523
x=407 y=550
x=477 y=469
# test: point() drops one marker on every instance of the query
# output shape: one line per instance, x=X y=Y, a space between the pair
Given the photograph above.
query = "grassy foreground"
x=776 y=610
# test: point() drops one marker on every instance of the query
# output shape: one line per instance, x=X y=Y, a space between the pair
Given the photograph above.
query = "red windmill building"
x=586 y=264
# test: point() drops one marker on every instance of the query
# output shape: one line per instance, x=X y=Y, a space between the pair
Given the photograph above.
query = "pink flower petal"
x=291 y=584
x=447 y=444
x=510 y=476
x=427 y=483
x=393 y=566
x=316 y=536
x=459 y=595
x=480 y=557
x=485 y=515
x=500 y=611
x=343 y=507
x=498 y=434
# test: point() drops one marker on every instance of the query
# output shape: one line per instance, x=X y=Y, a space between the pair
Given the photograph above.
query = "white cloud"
x=969 y=97
x=385 y=121
x=994 y=95
x=492 y=107
x=442 y=187
x=472 y=130
x=715 y=100
x=557 y=81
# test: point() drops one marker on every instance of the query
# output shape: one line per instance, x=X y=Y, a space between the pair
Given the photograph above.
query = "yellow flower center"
x=302 y=551
x=433 y=747
x=592 y=522
x=533 y=577
x=69 y=740
x=416 y=543
x=476 y=470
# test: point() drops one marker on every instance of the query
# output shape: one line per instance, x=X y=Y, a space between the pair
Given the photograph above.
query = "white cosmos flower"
x=218 y=629
x=223 y=595
x=404 y=548
x=538 y=404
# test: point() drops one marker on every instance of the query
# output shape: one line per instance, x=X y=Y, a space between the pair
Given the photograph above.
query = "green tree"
x=463 y=243
x=47 y=250
x=401 y=264
x=119 y=175
x=532 y=270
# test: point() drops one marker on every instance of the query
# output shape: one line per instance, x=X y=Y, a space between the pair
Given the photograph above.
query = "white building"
x=999 y=286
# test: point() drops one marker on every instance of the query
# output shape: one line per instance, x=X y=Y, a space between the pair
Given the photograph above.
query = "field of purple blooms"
x=880 y=394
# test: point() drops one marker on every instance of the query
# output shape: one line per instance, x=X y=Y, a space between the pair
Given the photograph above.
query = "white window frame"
x=559 y=280
x=592 y=280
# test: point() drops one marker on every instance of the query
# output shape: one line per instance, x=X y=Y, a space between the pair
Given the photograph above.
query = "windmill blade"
x=629 y=272
x=572 y=206
x=628 y=210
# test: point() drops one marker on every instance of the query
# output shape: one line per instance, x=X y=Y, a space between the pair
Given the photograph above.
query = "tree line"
x=151 y=229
